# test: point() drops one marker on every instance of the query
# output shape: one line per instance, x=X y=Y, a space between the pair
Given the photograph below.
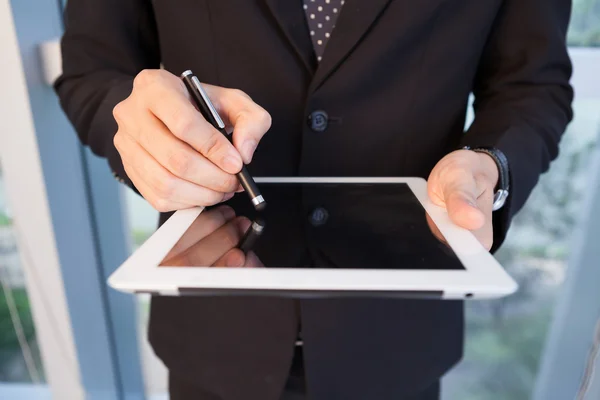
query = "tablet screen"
x=317 y=225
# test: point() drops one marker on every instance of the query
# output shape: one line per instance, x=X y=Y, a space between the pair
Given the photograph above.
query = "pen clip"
x=210 y=105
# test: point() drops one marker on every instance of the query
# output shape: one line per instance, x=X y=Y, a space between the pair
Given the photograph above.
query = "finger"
x=233 y=258
x=167 y=98
x=182 y=160
x=249 y=120
x=212 y=247
x=252 y=261
x=167 y=188
x=209 y=221
x=148 y=194
x=206 y=223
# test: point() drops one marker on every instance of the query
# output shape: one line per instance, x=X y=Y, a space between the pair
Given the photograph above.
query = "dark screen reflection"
x=367 y=226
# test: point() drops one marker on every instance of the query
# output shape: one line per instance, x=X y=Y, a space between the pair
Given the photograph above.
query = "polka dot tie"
x=321 y=16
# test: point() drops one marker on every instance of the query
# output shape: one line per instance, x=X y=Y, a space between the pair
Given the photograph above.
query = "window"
x=585 y=24
x=20 y=360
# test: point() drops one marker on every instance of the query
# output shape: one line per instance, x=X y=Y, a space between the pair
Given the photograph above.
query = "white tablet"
x=317 y=237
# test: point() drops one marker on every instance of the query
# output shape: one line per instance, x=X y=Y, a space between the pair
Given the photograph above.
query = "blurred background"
x=65 y=224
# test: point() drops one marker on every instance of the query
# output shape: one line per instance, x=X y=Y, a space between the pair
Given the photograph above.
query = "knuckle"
x=147 y=77
x=179 y=163
x=224 y=184
x=210 y=145
x=142 y=79
x=118 y=112
x=162 y=205
x=264 y=118
x=229 y=184
x=163 y=186
x=183 y=124
x=239 y=93
x=118 y=141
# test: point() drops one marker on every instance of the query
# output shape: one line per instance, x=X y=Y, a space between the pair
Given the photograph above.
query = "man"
x=344 y=88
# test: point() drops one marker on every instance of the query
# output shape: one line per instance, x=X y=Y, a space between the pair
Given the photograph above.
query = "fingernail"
x=248 y=148
x=228 y=196
x=232 y=164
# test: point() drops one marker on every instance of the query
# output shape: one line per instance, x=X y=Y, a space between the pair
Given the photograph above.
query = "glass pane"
x=585 y=23
x=143 y=219
x=505 y=338
x=19 y=353
x=142 y=222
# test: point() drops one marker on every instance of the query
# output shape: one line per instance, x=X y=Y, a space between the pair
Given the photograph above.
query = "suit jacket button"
x=318 y=121
x=319 y=216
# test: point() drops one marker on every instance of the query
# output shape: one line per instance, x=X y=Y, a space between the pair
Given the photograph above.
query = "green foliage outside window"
x=585 y=24
x=11 y=363
x=4 y=219
x=8 y=338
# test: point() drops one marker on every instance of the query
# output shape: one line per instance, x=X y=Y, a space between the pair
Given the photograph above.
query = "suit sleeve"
x=522 y=95
x=105 y=45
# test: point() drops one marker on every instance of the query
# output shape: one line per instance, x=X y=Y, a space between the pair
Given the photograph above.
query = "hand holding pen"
x=209 y=112
x=169 y=152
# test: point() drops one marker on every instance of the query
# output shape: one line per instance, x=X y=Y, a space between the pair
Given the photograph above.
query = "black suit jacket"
x=395 y=80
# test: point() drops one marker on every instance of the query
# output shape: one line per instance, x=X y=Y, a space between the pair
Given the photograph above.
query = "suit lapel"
x=354 y=21
x=290 y=17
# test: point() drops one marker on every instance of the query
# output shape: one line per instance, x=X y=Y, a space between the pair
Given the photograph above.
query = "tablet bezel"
x=482 y=277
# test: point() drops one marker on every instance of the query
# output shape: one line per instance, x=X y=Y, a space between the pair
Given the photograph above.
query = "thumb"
x=460 y=198
x=249 y=128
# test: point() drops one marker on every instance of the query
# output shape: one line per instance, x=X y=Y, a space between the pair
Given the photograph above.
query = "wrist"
x=499 y=175
x=489 y=168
